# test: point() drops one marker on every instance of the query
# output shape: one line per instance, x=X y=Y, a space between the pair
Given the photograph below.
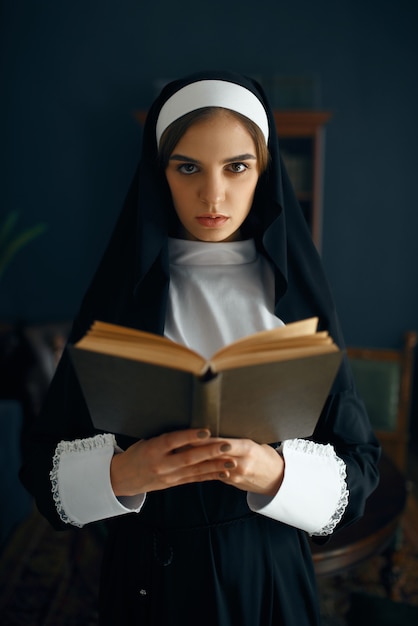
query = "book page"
x=300 y=329
x=295 y=340
x=233 y=361
x=137 y=345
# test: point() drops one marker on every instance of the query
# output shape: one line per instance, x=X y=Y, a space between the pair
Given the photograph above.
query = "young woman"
x=210 y=246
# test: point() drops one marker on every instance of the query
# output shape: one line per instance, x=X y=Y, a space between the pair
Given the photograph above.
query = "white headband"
x=212 y=93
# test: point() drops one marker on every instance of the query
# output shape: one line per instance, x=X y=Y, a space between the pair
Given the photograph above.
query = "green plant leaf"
x=7 y=227
x=12 y=247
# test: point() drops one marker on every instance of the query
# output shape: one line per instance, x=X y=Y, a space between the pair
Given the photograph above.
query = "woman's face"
x=212 y=174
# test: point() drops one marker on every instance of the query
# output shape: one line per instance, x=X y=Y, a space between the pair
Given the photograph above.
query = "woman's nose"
x=212 y=191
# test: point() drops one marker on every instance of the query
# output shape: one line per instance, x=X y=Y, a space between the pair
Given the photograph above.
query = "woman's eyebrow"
x=239 y=157
x=184 y=159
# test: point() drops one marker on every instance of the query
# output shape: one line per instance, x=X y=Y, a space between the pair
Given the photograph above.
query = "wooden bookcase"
x=301 y=139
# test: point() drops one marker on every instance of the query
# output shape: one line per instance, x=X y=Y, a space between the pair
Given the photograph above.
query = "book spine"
x=206 y=404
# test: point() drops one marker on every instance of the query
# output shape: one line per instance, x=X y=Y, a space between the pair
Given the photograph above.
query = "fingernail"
x=203 y=434
x=223 y=475
x=225 y=447
x=229 y=464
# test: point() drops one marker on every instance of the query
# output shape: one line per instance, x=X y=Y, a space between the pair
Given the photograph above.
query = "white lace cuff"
x=313 y=495
x=81 y=485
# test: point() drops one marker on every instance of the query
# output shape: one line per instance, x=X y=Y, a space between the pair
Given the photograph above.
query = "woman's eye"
x=187 y=168
x=237 y=168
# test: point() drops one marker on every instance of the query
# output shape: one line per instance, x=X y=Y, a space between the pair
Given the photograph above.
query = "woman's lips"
x=211 y=221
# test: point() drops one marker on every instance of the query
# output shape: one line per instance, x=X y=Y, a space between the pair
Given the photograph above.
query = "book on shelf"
x=269 y=386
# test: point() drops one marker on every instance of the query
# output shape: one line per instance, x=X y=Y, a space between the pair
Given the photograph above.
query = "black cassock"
x=197 y=555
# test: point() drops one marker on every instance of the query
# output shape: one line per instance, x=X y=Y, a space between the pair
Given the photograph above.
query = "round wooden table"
x=373 y=533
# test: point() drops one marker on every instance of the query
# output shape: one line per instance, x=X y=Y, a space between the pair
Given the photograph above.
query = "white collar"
x=185 y=252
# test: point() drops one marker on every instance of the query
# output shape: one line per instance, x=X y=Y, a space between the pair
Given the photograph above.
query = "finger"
x=209 y=470
x=237 y=448
x=223 y=476
x=196 y=455
x=182 y=438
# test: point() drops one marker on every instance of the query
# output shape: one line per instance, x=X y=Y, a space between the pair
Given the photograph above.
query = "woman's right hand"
x=172 y=459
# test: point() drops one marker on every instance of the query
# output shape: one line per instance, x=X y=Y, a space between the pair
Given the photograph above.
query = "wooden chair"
x=384 y=381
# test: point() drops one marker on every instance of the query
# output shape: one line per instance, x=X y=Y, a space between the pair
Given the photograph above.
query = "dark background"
x=73 y=73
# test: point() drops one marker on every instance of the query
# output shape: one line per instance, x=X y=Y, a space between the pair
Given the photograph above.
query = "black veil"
x=134 y=265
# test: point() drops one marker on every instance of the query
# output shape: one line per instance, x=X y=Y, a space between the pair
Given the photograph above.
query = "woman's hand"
x=190 y=456
x=253 y=467
x=176 y=458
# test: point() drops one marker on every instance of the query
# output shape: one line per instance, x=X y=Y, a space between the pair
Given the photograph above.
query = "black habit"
x=196 y=553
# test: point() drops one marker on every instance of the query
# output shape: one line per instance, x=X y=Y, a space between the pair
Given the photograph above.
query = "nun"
x=210 y=246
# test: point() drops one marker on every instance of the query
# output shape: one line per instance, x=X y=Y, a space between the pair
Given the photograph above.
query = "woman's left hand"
x=252 y=467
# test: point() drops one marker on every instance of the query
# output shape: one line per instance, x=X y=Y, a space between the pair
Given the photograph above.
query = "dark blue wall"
x=74 y=72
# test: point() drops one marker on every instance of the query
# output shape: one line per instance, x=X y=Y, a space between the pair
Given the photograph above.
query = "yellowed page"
x=301 y=328
x=226 y=362
x=141 y=346
x=155 y=354
x=292 y=341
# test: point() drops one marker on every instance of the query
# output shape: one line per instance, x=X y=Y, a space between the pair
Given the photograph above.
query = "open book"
x=269 y=386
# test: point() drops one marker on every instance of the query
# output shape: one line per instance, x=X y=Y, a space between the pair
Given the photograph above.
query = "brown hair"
x=175 y=131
